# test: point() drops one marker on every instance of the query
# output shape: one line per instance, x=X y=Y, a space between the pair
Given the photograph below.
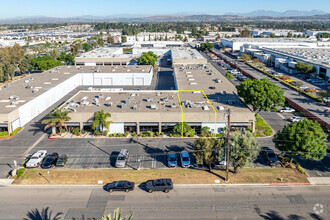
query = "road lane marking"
x=281 y=115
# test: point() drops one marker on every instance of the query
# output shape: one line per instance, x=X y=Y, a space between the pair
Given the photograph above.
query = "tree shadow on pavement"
x=274 y=215
x=44 y=214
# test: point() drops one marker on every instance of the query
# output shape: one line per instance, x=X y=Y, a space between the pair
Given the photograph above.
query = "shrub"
x=134 y=134
x=301 y=170
x=291 y=166
x=110 y=135
x=157 y=134
x=229 y=76
x=171 y=135
x=268 y=132
x=76 y=131
x=5 y=133
x=162 y=133
x=258 y=134
x=149 y=134
x=15 y=131
x=97 y=133
x=126 y=134
x=140 y=135
x=20 y=172
x=105 y=132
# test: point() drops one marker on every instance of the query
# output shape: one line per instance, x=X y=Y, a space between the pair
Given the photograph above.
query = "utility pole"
x=227 y=148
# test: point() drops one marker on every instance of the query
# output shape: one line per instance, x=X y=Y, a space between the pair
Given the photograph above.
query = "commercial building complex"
x=201 y=97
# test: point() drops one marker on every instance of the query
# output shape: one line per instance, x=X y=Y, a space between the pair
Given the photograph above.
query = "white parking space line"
x=281 y=115
x=153 y=162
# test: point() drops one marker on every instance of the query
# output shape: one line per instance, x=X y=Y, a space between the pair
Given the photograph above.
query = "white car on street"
x=36 y=159
x=287 y=109
x=296 y=119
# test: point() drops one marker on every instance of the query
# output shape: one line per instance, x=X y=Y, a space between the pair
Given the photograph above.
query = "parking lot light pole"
x=227 y=148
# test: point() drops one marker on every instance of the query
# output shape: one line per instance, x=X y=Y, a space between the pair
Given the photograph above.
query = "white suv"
x=36 y=159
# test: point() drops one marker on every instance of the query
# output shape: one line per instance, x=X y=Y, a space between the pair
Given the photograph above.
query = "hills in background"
x=252 y=16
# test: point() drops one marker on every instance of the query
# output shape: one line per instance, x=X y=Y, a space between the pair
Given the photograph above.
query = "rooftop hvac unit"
x=221 y=108
x=149 y=99
x=205 y=108
x=35 y=90
x=134 y=107
x=123 y=105
x=153 y=106
x=173 y=105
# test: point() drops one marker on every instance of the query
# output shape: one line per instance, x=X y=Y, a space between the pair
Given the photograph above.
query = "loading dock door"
x=15 y=124
x=97 y=81
x=107 y=82
x=129 y=81
x=139 y=82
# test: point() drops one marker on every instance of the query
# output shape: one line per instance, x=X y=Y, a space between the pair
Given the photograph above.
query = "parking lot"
x=102 y=152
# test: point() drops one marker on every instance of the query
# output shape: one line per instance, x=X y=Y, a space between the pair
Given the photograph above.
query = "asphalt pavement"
x=184 y=202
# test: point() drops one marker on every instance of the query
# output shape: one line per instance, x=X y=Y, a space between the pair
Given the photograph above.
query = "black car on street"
x=122 y=185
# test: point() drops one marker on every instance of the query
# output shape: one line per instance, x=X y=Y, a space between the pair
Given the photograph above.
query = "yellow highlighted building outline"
x=215 y=113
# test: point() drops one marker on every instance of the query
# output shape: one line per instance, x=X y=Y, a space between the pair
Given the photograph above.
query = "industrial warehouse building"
x=201 y=98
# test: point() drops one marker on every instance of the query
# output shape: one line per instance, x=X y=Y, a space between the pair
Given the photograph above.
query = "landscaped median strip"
x=179 y=176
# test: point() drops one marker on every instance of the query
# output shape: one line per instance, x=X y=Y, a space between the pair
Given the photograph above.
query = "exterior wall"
x=116 y=79
x=34 y=107
x=212 y=126
x=116 y=127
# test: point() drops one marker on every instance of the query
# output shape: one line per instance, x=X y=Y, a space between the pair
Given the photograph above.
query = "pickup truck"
x=36 y=159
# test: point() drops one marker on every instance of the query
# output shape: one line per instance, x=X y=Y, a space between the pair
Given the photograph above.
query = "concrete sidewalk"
x=319 y=180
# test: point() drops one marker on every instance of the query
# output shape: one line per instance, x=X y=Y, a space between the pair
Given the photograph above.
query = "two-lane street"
x=218 y=202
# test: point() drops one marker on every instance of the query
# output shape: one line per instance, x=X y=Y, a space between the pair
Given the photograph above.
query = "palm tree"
x=57 y=118
x=116 y=216
x=100 y=119
x=43 y=215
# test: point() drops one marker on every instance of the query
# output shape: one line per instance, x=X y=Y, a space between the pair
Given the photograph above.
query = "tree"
x=147 y=59
x=245 y=33
x=262 y=94
x=207 y=46
x=43 y=215
x=207 y=150
x=244 y=149
x=323 y=94
x=305 y=68
x=100 y=120
x=25 y=64
x=246 y=57
x=110 y=39
x=124 y=39
x=100 y=41
x=289 y=35
x=305 y=138
x=86 y=47
x=54 y=53
x=116 y=216
x=272 y=35
x=75 y=49
x=8 y=71
x=57 y=118
x=66 y=58
x=44 y=62
x=183 y=129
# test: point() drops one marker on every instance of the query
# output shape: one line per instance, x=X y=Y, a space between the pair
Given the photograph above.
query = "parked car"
x=171 y=159
x=296 y=119
x=49 y=161
x=36 y=159
x=164 y=185
x=270 y=156
x=122 y=158
x=122 y=185
x=185 y=159
x=61 y=161
x=287 y=109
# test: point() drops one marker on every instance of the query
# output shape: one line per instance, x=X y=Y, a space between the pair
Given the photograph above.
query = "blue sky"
x=71 y=8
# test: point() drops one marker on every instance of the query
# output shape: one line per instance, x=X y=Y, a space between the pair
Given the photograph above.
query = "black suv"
x=164 y=185
x=270 y=156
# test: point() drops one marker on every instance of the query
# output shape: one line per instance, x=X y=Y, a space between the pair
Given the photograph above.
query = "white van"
x=122 y=158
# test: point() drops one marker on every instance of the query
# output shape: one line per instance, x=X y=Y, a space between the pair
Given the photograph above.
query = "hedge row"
x=285 y=83
x=5 y=133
